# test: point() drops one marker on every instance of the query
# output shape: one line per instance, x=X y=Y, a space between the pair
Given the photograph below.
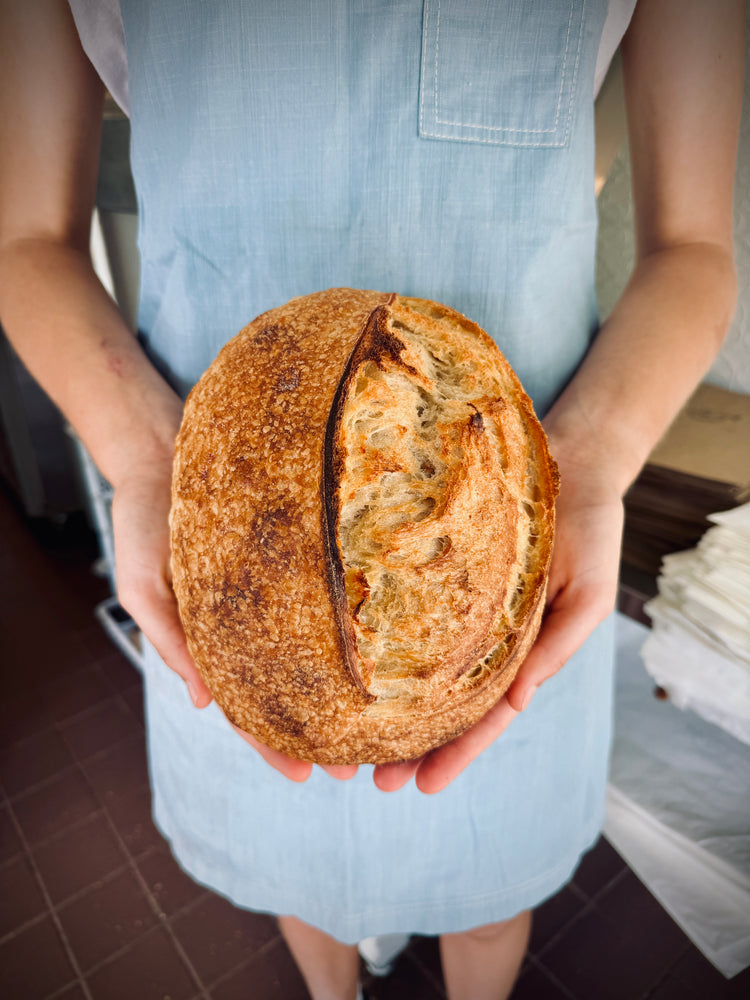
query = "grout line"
x=53 y=686
x=623 y=873
x=129 y=865
x=39 y=786
x=61 y=990
x=12 y=859
x=668 y=972
x=578 y=892
x=553 y=940
x=655 y=986
x=76 y=763
x=548 y=974
x=117 y=953
x=65 y=830
x=246 y=962
x=153 y=903
x=52 y=912
x=25 y=926
x=187 y=907
x=589 y=906
x=63 y=904
x=91 y=887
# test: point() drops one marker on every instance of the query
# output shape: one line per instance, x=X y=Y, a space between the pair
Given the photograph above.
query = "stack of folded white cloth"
x=678 y=809
x=698 y=650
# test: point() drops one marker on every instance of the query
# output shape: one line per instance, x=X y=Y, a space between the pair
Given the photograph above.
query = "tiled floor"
x=92 y=904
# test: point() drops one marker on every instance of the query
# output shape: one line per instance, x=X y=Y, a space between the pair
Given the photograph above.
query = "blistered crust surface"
x=362 y=525
x=248 y=557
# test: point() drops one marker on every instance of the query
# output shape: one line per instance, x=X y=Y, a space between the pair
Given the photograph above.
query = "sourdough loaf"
x=362 y=521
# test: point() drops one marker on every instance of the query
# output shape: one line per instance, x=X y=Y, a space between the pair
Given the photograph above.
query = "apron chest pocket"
x=501 y=72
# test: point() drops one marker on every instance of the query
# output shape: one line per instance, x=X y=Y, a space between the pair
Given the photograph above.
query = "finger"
x=342 y=772
x=391 y=777
x=157 y=616
x=565 y=628
x=443 y=765
x=290 y=767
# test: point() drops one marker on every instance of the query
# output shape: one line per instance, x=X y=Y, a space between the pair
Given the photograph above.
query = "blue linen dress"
x=437 y=148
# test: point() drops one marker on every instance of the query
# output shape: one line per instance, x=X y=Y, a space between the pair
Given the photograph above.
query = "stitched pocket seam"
x=493 y=134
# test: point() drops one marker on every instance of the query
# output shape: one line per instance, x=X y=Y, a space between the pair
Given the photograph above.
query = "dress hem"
x=452 y=916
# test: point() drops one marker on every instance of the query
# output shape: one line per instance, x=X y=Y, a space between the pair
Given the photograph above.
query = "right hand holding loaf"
x=140 y=513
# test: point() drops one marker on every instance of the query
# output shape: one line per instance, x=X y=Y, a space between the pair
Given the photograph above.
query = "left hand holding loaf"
x=581 y=592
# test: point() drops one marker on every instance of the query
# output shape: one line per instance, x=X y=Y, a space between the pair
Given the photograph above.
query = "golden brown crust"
x=362 y=525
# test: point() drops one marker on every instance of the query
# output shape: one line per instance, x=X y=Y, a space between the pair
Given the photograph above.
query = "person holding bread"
x=437 y=149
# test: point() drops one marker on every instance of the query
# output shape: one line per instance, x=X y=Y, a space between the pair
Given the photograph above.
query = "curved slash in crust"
x=375 y=341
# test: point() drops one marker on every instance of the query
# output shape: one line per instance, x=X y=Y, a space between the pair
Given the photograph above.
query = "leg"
x=483 y=963
x=329 y=968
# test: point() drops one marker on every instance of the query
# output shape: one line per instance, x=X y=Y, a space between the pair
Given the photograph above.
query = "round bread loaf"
x=362 y=522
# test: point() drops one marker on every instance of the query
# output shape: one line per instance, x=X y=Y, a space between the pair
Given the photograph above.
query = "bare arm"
x=59 y=317
x=683 y=64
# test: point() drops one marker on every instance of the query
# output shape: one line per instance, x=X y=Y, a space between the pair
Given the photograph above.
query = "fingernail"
x=193 y=693
x=527 y=698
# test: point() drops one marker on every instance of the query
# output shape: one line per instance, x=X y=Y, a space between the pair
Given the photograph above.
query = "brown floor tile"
x=57 y=560
x=535 y=984
x=150 y=969
x=109 y=723
x=133 y=697
x=74 y=992
x=10 y=845
x=408 y=981
x=598 y=868
x=218 y=936
x=105 y=919
x=22 y=715
x=120 y=770
x=628 y=903
x=584 y=956
x=55 y=805
x=38 y=653
x=131 y=814
x=626 y=931
x=33 y=963
x=78 y=857
x=77 y=691
x=82 y=591
x=96 y=641
x=118 y=670
x=170 y=886
x=26 y=763
x=11 y=587
x=694 y=972
x=554 y=914
x=425 y=951
x=674 y=989
x=21 y=898
x=271 y=976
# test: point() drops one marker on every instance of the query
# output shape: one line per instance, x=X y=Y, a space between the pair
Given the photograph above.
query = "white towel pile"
x=678 y=809
x=699 y=647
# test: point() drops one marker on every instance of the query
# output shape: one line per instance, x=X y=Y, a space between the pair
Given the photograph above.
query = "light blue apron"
x=442 y=149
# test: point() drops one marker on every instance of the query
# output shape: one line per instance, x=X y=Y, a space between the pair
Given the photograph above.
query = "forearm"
x=69 y=333
x=651 y=352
